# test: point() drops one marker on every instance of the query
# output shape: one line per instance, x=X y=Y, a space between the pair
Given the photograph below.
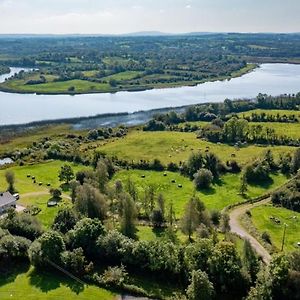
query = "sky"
x=124 y=16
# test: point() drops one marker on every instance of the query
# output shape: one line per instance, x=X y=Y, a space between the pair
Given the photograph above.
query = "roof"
x=6 y=198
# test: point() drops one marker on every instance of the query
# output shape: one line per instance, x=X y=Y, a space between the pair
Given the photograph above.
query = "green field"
x=261 y=220
x=269 y=112
x=27 y=284
x=177 y=146
x=59 y=87
x=47 y=214
x=222 y=193
x=127 y=75
x=43 y=172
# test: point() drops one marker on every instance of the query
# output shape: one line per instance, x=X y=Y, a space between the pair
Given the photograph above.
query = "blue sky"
x=122 y=16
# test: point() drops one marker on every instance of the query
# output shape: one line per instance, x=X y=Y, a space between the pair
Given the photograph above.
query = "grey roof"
x=6 y=198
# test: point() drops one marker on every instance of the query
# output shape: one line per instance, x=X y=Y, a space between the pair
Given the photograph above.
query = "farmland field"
x=44 y=172
x=177 y=146
x=261 y=220
x=220 y=195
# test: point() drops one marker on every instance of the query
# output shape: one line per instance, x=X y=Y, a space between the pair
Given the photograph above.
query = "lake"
x=272 y=79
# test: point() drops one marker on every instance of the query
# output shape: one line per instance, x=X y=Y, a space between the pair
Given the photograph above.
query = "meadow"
x=222 y=193
x=43 y=172
x=270 y=112
x=261 y=220
x=177 y=146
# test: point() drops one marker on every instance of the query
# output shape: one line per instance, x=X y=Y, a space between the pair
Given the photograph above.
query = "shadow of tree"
x=47 y=281
x=263 y=184
x=9 y=271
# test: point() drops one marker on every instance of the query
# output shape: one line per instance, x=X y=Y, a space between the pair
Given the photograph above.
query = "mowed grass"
x=261 y=220
x=273 y=112
x=220 y=195
x=47 y=214
x=44 y=172
x=178 y=146
x=29 y=284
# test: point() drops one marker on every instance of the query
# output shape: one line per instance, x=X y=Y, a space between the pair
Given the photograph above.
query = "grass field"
x=27 y=284
x=177 y=146
x=269 y=112
x=222 y=194
x=43 y=172
x=81 y=86
x=127 y=75
x=261 y=220
x=47 y=214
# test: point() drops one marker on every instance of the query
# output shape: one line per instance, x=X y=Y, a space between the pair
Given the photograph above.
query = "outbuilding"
x=7 y=200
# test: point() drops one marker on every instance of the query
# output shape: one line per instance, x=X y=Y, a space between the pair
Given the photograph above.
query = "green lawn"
x=261 y=220
x=222 y=194
x=177 y=146
x=27 y=284
x=44 y=172
x=47 y=214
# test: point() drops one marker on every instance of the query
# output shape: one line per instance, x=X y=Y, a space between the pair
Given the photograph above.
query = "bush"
x=114 y=276
x=203 y=179
x=266 y=237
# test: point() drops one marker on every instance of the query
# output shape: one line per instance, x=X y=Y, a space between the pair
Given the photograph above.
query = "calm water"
x=273 y=79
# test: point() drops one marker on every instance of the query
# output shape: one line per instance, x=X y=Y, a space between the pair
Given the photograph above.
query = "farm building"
x=7 y=200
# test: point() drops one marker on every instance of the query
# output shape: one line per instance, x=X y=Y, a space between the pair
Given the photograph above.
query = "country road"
x=238 y=229
x=42 y=193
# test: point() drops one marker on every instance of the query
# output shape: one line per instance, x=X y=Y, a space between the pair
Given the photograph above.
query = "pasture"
x=261 y=218
x=177 y=146
x=43 y=172
x=221 y=194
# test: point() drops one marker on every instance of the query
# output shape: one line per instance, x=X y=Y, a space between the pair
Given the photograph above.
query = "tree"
x=225 y=227
x=55 y=193
x=190 y=219
x=203 y=179
x=85 y=234
x=161 y=205
x=296 y=161
x=102 y=175
x=10 y=179
x=250 y=260
x=66 y=174
x=90 y=202
x=46 y=249
x=75 y=262
x=225 y=268
x=243 y=185
x=128 y=216
x=200 y=287
x=65 y=220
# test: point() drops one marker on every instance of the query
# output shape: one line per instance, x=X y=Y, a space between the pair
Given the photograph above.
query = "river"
x=272 y=79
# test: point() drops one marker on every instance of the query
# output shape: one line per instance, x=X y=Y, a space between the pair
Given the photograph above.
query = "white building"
x=7 y=200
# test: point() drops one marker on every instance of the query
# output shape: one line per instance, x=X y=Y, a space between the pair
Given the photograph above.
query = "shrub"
x=203 y=179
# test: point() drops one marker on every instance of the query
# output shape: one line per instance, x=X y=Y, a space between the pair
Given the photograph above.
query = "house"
x=7 y=200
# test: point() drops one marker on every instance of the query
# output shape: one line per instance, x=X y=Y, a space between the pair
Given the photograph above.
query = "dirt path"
x=42 y=193
x=237 y=228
